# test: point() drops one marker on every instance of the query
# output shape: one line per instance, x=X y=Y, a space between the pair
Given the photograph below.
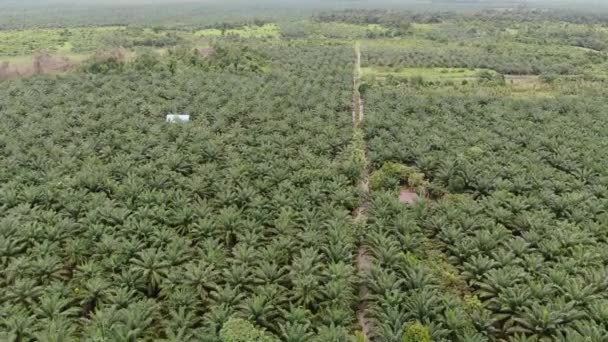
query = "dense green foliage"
x=117 y=224
x=519 y=227
x=239 y=330
x=507 y=57
x=417 y=333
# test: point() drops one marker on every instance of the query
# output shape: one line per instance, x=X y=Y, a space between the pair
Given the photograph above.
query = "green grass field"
x=265 y=31
x=428 y=74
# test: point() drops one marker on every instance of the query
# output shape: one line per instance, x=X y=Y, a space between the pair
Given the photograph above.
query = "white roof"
x=178 y=118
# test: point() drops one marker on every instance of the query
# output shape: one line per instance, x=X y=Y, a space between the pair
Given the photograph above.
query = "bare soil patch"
x=408 y=196
x=522 y=80
x=527 y=85
x=41 y=63
x=206 y=52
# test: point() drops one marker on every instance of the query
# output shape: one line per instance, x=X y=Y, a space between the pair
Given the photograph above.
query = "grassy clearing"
x=423 y=27
x=29 y=59
x=439 y=80
x=345 y=30
x=19 y=66
x=398 y=42
x=265 y=31
x=428 y=74
x=18 y=60
x=523 y=81
x=528 y=85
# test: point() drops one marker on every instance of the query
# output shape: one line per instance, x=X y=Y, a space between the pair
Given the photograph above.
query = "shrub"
x=417 y=333
x=548 y=77
x=391 y=175
x=106 y=62
x=240 y=330
x=363 y=88
x=416 y=179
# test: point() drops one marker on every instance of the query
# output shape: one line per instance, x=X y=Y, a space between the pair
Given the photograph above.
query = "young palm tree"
x=181 y=334
x=120 y=298
x=260 y=310
x=416 y=278
x=23 y=291
x=583 y=331
x=152 y=266
x=577 y=291
x=93 y=292
x=307 y=290
x=381 y=281
x=216 y=316
x=18 y=324
x=238 y=275
x=545 y=320
x=229 y=219
x=135 y=320
x=201 y=277
x=10 y=247
x=423 y=305
x=182 y=320
x=295 y=332
x=56 y=330
x=226 y=295
x=176 y=253
x=477 y=267
x=331 y=334
x=47 y=269
x=55 y=305
x=389 y=324
x=336 y=314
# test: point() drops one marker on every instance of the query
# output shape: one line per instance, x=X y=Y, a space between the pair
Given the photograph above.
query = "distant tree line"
x=398 y=21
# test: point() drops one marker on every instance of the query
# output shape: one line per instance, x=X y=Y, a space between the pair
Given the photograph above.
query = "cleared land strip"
x=360 y=215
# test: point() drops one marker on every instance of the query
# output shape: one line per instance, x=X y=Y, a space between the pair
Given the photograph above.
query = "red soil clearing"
x=206 y=52
x=408 y=196
x=42 y=63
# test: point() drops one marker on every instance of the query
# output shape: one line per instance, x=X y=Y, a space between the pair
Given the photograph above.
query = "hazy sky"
x=323 y=4
x=305 y=3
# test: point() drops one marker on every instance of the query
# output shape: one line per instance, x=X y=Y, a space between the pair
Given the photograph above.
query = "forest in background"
x=69 y=13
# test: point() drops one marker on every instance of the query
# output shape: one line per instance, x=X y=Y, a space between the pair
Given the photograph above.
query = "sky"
x=590 y=5
x=303 y=3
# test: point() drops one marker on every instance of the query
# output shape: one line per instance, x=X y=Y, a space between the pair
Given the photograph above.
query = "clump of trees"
x=400 y=21
x=232 y=57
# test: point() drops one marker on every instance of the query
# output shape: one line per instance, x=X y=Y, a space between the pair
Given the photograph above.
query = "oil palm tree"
x=295 y=332
x=55 y=305
x=151 y=266
x=56 y=330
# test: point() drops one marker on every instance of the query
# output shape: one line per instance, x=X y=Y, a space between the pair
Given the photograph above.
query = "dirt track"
x=357 y=101
x=363 y=261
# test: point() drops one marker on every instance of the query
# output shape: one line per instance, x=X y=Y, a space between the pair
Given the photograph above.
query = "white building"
x=173 y=118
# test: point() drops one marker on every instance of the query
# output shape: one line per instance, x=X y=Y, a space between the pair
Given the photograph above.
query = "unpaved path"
x=363 y=261
x=357 y=101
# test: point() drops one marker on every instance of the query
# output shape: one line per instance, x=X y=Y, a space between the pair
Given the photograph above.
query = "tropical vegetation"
x=274 y=213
